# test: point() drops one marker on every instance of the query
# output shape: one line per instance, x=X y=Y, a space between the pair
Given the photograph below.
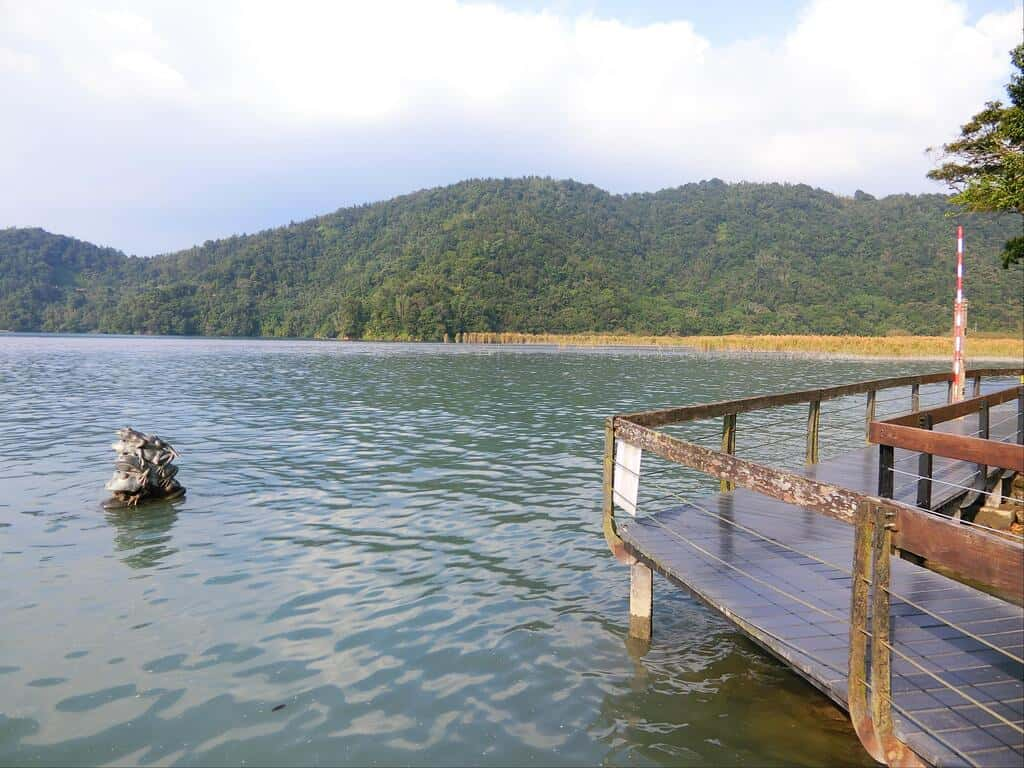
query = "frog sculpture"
x=143 y=471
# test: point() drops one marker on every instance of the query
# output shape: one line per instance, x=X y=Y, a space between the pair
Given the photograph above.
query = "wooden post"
x=886 y=454
x=915 y=397
x=609 y=468
x=641 y=601
x=872 y=713
x=728 y=446
x=976 y=386
x=857 y=692
x=981 y=478
x=869 y=415
x=881 y=657
x=924 y=468
x=611 y=534
x=1020 y=414
x=949 y=391
x=813 y=421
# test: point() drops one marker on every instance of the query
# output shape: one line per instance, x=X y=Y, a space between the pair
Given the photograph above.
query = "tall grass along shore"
x=987 y=346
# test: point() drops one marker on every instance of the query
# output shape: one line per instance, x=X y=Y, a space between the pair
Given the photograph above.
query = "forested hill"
x=538 y=255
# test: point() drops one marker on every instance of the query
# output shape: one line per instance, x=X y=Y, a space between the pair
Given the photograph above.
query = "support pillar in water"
x=641 y=601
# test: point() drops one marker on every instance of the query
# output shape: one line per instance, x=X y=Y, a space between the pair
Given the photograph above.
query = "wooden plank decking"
x=782 y=574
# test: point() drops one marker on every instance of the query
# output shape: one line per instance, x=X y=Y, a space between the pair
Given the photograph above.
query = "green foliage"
x=988 y=173
x=535 y=255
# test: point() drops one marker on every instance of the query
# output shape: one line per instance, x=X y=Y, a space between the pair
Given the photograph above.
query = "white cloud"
x=201 y=104
x=132 y=75
x=16 y=63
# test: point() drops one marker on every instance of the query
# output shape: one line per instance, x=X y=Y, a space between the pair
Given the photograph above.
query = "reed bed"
x=986 y=346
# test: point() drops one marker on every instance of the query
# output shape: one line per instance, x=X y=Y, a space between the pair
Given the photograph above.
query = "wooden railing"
x=640 y=429
x=881 y=524
x=964 y=551
x=914 y=432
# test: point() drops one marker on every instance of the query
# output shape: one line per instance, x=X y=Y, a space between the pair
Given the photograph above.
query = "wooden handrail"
x=665 y=416
x=829 y=500
x=968 y=552
x=942 y=413
x=975 y=450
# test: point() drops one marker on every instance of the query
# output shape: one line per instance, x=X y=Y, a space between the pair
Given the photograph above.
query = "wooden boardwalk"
x=783 y=575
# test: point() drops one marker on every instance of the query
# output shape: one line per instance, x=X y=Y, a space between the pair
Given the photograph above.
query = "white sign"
x=627 y=476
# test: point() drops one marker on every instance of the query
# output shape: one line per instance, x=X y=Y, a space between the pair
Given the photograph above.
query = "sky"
x=152 y=126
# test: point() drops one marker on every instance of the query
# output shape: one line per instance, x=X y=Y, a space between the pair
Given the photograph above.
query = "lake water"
x=401 y=544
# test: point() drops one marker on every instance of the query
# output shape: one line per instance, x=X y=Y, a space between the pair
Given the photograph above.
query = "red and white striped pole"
x=959 y=322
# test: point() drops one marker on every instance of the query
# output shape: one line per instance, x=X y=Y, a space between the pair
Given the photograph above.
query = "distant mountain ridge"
x=538 y=255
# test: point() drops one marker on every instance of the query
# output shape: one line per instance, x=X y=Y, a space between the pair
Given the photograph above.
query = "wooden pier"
x=931 y=669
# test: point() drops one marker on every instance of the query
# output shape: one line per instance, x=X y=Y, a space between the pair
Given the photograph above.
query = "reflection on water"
x=388 y=554
x=143 y=535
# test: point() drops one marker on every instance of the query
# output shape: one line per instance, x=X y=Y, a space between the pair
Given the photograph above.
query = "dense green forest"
x=538 y=255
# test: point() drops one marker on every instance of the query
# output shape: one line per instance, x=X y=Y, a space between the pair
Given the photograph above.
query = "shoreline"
x=989 y=348
x=1004 y=348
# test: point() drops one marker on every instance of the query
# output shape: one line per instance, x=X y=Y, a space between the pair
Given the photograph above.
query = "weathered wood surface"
x=952 y=411
x=967 y=552
x=827 y=498
x=959 y=447
x=783 y=575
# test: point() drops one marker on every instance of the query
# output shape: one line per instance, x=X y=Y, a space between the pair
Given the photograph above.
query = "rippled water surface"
x=388 y=554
